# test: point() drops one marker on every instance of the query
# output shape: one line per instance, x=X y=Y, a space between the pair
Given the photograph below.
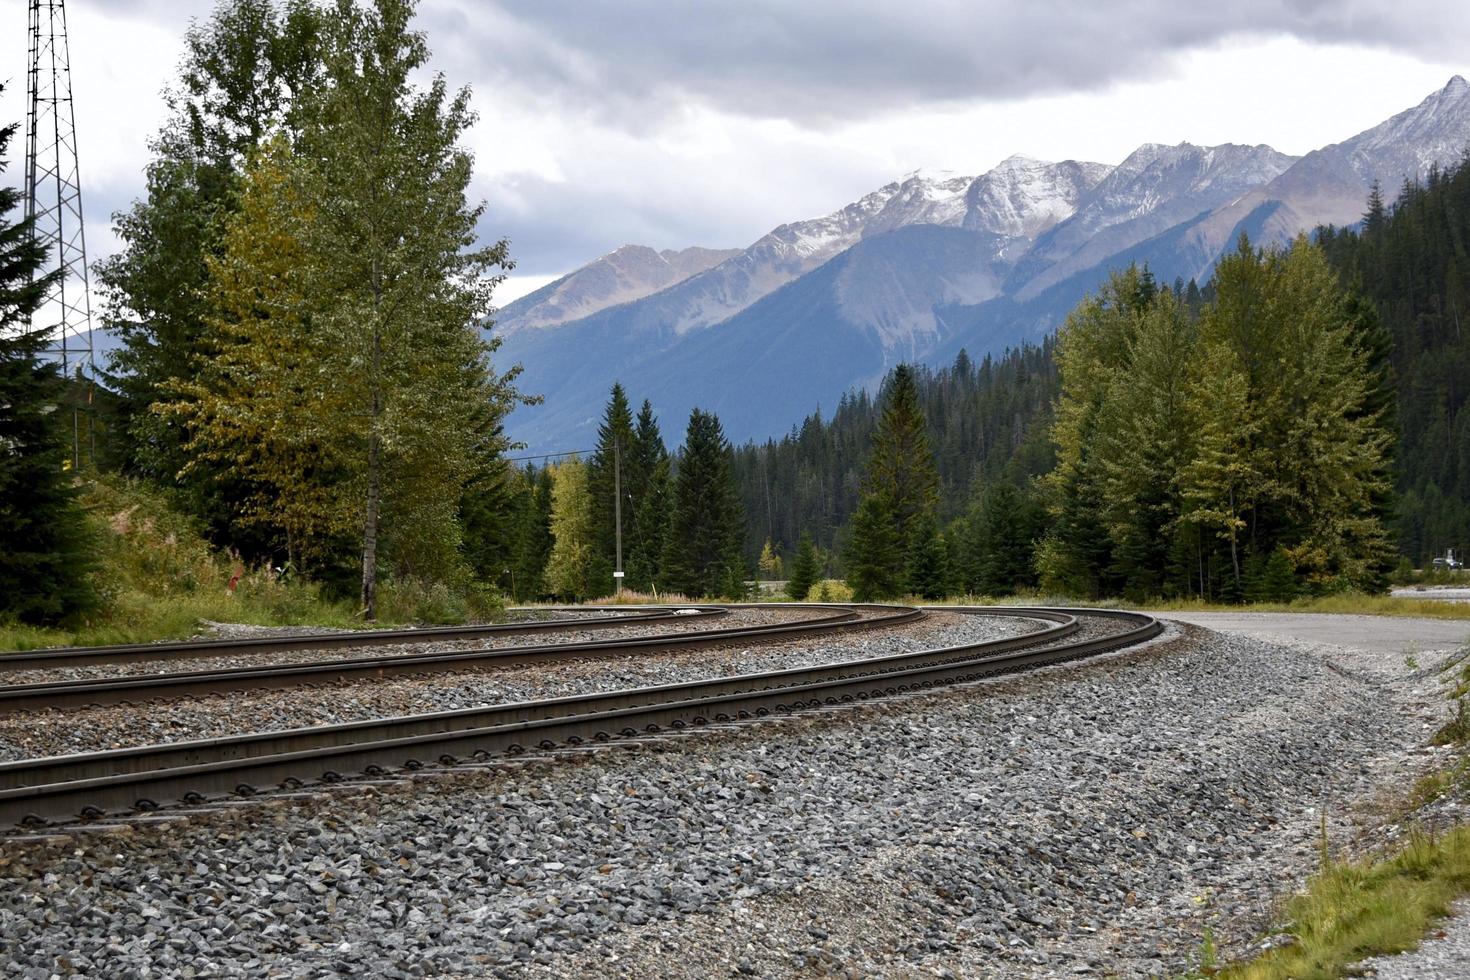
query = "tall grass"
x=159 y=579
x=1356 y=909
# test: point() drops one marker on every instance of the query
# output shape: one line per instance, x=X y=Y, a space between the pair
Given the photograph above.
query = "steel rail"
x=199 y=649
x=141 y=778
x=129 y=689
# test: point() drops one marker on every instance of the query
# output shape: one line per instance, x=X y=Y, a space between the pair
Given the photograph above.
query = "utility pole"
x=618 y=512
x=53 y=193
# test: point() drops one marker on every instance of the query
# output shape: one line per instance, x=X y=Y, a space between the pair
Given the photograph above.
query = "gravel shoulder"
x=1089 y=818
x=1376 y=634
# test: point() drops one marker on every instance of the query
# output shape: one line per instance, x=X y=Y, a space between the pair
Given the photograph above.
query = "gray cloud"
x=825 y=61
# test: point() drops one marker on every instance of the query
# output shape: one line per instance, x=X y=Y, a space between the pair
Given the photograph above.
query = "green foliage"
x=986 y=421
x=340 y=383
x=1409 y=263
x=569 y=566
x=612 y=457
x=1270 y=578
x=803 y=570
x=243 y=74
x=901 y=470
x=45 y=554
x=650 y=529
x=874 y=559
x=702 y=555
x=926 y=572
x=1184 y=448
x=1000 y=542
x=1352 y=910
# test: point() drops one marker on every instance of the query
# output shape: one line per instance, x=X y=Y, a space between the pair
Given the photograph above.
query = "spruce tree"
x=925 y=574
x=604 y=480
x=702 y=554
x=44 y=549
x=803 y=570
x=901 y=469
x=874 y=558
x=651 y=529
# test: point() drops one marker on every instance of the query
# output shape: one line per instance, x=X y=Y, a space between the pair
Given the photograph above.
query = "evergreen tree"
x=651 y=528
x=925 y=574
x=803 y=570
x=607 y=471
x=874 y=557
x=702 y=553
x=45 y=558
x=1004 y=530
x=902 y=469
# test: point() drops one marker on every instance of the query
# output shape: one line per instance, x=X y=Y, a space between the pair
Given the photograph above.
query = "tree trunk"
x=370 y=529
x=374 y=465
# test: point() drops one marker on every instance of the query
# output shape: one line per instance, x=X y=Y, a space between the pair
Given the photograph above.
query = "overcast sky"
x=671 y=124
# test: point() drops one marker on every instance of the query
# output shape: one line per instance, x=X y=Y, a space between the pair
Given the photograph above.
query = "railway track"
x=135 y=688
x=40 y=791
x=200 y=649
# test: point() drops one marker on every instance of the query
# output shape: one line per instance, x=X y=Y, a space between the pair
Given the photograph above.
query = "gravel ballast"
x=736 y=619
x=59 y=732
x=1091 y=818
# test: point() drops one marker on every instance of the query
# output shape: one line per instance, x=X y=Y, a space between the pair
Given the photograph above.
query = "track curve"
x=40 y=790
x=135 y=688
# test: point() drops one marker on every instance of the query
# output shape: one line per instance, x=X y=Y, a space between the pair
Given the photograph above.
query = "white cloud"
x=708 y=124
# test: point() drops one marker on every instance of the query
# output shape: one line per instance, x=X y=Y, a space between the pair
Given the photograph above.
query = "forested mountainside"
x=1412 y=260
x=988 y=421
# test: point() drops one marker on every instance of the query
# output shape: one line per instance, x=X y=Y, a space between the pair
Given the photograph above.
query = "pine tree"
x=1004 y=530
x=702 y=554
x=45 y=557
x=803 y=570
x=874 y=558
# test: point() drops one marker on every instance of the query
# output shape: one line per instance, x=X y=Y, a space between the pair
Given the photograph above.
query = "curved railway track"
x=134 y=688
x=200 y=649
x=37 y=791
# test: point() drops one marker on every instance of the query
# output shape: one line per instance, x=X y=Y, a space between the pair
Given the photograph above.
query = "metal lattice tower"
x=54 y=200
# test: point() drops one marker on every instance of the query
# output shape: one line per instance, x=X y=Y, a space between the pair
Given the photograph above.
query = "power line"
x=569 y=452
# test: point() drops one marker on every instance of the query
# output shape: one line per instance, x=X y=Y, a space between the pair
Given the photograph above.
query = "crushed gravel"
x=1087 y=819
x=737 y=619
x=59 y=732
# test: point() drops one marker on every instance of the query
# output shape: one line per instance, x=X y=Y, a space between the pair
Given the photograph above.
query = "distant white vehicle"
x=1449 y=561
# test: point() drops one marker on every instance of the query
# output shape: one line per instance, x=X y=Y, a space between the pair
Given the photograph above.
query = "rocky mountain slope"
x=924 y=266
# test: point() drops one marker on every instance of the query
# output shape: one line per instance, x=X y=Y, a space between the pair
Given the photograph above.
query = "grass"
x=158 y=579
x=1382 y=904
x=1352 y=910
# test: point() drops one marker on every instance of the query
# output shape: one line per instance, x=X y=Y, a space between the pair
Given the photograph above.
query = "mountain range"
x=922 y=267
